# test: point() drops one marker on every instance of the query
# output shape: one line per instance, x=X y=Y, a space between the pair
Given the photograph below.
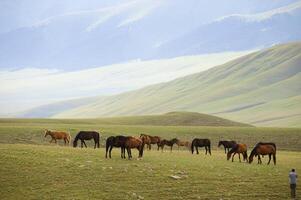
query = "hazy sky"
x=54 y=50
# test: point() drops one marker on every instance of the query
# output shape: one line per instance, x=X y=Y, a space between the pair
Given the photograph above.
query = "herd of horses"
x=126 y=143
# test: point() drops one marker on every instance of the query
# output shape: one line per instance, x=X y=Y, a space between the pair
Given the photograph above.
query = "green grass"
x=30 y=131
x=31 y=168
x=53 y=172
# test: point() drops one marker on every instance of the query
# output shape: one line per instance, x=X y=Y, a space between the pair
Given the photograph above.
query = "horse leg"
x=206 y=150
x=111 y=147
x=270 y=156
x=51 y=140
x=233 y=156
x=197 y=150
x=55 y=141
x=85 y=143
x=274 y=158
x=81 y=143
x=225 y=149
x=239 y=157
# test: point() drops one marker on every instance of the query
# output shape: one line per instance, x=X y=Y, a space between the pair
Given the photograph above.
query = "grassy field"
x=31 y=168
x=29 y=131
x=53 y=172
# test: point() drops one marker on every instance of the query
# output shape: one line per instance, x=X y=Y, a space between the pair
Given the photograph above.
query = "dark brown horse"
x=201 y=143
x=115 y=141
x=262 y=148
x=227 y=144
x=168 y=143
x=240 y=149
x=58 y=135
x=87 y=135
x=149 y=140
x=133 y=142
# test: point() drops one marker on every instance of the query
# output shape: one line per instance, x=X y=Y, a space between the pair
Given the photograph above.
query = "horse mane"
x=253 y=152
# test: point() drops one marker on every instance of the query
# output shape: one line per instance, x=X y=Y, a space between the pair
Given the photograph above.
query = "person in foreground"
x=293 y=182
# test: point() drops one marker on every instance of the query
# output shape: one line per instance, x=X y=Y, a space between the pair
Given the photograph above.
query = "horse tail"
x=98 y=138
x=69 y=137
x=108 y=145
x=209 y=146
x=192 y=146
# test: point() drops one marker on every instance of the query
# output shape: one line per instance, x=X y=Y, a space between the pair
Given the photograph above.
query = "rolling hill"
x=262 y=88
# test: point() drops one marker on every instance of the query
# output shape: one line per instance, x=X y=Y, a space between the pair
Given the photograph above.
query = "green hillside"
x=262 y=88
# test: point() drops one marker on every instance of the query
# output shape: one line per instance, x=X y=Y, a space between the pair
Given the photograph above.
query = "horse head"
x=175 y=140
x=250 y=159
x=46 y=132
x=75 y=143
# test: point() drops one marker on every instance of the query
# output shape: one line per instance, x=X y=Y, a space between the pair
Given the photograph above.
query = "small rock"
x=175 y=177
x=140 y=197
x=81 y=166
x=134 y=194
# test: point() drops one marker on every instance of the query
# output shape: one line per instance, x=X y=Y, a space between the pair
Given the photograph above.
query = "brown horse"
x=133 y=142
x=149 y=140
x=182 y=143
x=240 y=149
x=58 y=135
x=263 y=149
x=87 y=135
x=168 y=143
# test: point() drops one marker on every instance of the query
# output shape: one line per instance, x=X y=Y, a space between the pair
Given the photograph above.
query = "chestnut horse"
x=182 y=143
x=133 y=142
x=168 y=143
x=87 y=135
x=201 y=143
x=263 y=149
x=240 y=149
x=146 y=140
x=58 y=135
x=115 y=141
x=149 y=140
x=227 y=144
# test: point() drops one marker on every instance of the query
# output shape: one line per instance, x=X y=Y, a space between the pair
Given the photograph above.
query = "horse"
x=240 y=149
x=133 y=142
x=86 y=135
x=227 y=144
x=115 y=141
x=146 y=140
x=149 y=140
x=262 y=148
x=182 y=143
x=168 y=143
x=58 y=135
x=201 y=143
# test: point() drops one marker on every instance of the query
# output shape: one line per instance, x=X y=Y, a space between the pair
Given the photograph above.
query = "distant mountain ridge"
x=111 y=35
x=262 y=88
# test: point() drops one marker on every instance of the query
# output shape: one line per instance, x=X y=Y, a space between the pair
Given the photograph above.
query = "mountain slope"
x=250 y=89
x=171 y=119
